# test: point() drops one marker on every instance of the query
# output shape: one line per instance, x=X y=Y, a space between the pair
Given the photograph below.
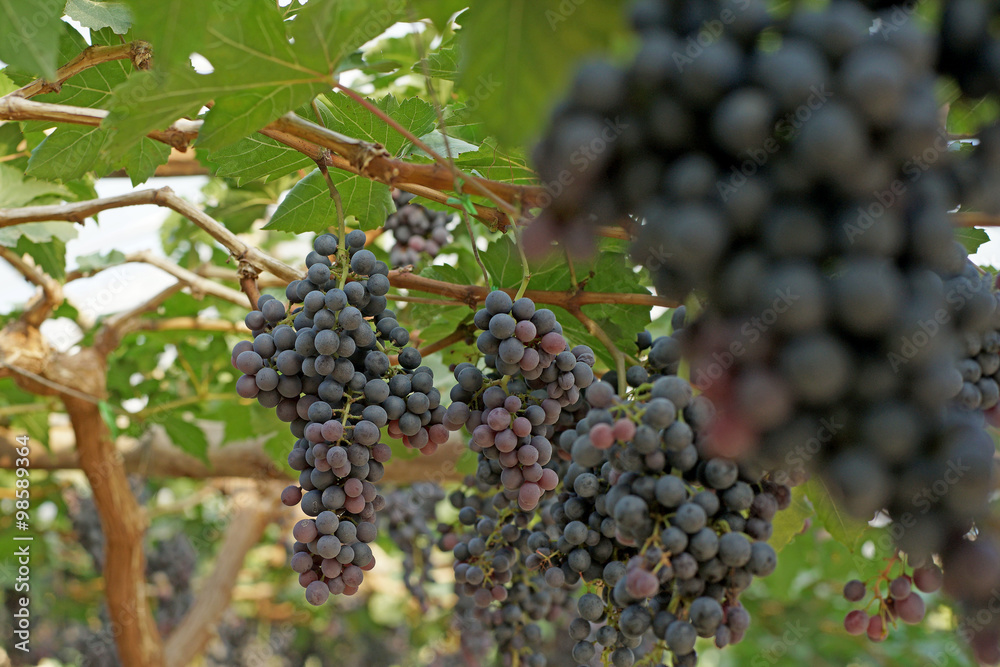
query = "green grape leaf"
x=98 y=15
x=187 y=436
x=441 y=64
x=18 y=190
x=99 y=260
x=262 y=65
x=438 y=11
x=71 y=151
x=971 y=238
x=308 y=206
x=256 y=157
x=516 y=57
x=29 y=35
x=350 y=118
x=49 y=255
x=789 y=522
x=842 y=527
x=495 y=163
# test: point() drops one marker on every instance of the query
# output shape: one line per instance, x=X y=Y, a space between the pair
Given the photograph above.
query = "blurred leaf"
x=97 y=260
x=844 y=528
x=516 y=57
x=187 y=436
x=29 y=35
x=97 y=15
x=18 y=190
x=789 y=522
x=49 y=255
x=438 y=11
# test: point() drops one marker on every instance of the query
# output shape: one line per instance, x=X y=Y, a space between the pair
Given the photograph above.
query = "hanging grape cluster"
x=416 y=230
x=409 y=516
x=511 y=411
x=795 y=188
x=324 y=366
x=498 y=577
x=671 y=533
x=901 y=599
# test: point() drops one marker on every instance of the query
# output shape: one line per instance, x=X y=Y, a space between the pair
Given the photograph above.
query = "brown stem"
x=198 y=284
x=491 y=217
x=440 y=161
x=49 y=299
x=975 y=220
x=179 y=135
x=473 y=294
x=138 y=52
x=139 y=643
x=193 y=324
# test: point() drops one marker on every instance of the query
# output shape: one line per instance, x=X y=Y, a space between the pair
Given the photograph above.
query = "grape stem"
x=526 y=270
x=475 y=248
x=455 y=171
x=595 y=329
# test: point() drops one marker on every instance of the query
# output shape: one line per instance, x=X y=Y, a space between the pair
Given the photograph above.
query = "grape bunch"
x=409 y=515
x=980 y=362
x=417 y=231
x=519 y=340
x=902 y=600
x=672 y=533
x=324 y=366
x=658 y=357
x=777 y=183
x=511 y=412
x=498 y=573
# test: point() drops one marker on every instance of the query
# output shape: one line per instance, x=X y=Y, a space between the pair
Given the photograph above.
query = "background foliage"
x=475 y=83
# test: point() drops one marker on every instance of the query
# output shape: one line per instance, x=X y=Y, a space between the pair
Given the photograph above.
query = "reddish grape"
x=911 y=609
x=854 y=590
x=928 y=579
x=601 y=436
x=876 y=629
x=856 y=622
x=624 y=430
